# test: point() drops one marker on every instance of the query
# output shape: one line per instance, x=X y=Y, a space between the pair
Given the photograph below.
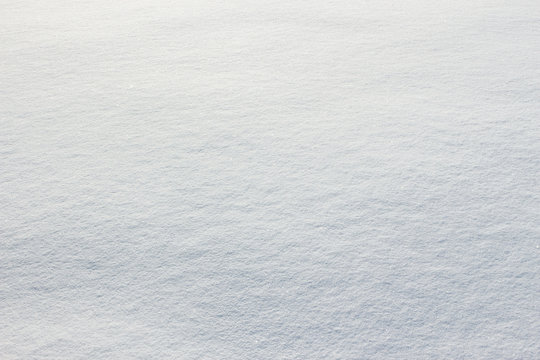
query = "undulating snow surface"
x=269 y=180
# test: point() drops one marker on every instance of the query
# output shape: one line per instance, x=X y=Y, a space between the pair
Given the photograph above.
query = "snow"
x=270 y=180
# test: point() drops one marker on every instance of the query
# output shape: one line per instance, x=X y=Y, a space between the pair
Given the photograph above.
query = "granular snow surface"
x=269 y=180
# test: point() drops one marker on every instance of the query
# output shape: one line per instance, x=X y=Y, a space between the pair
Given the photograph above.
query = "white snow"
x=269 y=180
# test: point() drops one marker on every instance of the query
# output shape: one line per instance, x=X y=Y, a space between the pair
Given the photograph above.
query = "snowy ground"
x=269 y=180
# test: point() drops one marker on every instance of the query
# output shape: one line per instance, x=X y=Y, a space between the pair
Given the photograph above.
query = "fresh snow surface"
x=269 y=180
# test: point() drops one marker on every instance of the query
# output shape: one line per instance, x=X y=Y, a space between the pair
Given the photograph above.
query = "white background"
x=269 y=180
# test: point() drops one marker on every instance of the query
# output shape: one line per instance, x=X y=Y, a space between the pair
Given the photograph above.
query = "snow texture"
x=269 y=180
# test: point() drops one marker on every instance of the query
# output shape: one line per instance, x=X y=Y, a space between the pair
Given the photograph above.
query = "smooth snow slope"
x=269 y=180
